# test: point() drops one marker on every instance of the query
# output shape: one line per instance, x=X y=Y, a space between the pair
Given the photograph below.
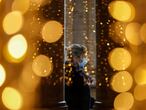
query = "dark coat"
x=77 y=93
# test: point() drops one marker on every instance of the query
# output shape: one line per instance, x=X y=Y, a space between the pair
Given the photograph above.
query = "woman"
x=77 y=92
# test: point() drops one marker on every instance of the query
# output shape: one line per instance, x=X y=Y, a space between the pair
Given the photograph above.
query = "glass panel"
x=80 y=28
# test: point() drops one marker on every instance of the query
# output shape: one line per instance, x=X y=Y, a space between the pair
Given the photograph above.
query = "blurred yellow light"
x=143 y=32
x=132 y=33
x=41 y=2
x=42 y=66
x=123 y=101
x=117 y=32
x=52 y=31
x=140 y=74
x=122 y=81
x=140 y=92
x=2 y=75
x=38 y=1
x=17 y=46
x=13 y=22
x=12 y=99
x=21 y=5
x=28 y=80
x=122 y=10
x=119 y=59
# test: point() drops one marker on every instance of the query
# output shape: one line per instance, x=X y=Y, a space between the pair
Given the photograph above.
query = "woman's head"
x=76 y=52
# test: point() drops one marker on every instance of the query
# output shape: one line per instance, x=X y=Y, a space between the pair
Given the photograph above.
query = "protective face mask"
x=83 y=62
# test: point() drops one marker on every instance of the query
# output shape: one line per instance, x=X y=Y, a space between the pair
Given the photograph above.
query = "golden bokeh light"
x=28 y=80
x=143 y=32
x=42 y=66
x=124 y=101
x=122 y=81
x=41 y=2
x=122 y=11
x=140 y=74
x=132 y=33
x=17 y=46
x=37 y=1
x=140 y=92
x=2 y=75
x=119 y=59
x=52 y=31
x=12 y=99
x=117 y=32
x=21 y=5
x=13 y=22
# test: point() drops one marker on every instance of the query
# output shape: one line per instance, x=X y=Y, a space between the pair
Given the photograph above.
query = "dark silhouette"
x=77 y=91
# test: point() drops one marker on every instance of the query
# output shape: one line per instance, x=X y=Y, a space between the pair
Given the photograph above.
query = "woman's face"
x=78 y=59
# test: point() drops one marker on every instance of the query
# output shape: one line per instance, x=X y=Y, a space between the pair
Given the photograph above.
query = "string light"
x=105 y=43
x=52 y=10
x=42 y=66
x=17 y=48
x=139 y=92
x=140 y=74
x=122 y=81
x=13 y=27
x=21 y=5
x=132 y=33
x=142 y=32
x=52 y=31
x=119 y=59
x=2 y=75
x=122 y=10
x=12 y=99
x=124 y=101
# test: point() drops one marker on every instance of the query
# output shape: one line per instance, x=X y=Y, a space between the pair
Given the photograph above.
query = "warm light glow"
x=17 y=46
x=140 y=74
x=117 y=32
x=122 y=81
x=12 y=99
x=2 y=75
x=21 y=5
x=143 y=32
x=41 y=2
x=13 y=22
x=122 y=10
x=28 y=80
x=37 y=1
x=140 y=92
x=132 y=33
x=123 y=101
x=52 y=31
x=42 y=66
x=119 y=59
